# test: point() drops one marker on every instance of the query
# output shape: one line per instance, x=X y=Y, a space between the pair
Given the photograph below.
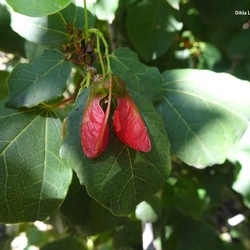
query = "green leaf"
x=194 y=234
x=121 y=177
x=37 y=7
x=210 y=55
x=3 y=84
x=10 y=41
x=149 y=211
x=34 y=180
x=204 y=113
x=128 y=236
x=33 y=50
x=216 y=181
x=36 y=237
x=140 y=78
x=66 y=243
x=50 y=30
x=210 y=12
x=241 y=154
x=174 y=3
x=41 y=80
x=105 y=9
x=89 y=217
x=156 y=33
x=237 y=47
x=186 y=197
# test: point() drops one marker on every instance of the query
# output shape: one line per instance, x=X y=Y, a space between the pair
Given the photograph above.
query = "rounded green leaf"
x=43 y=79
x=204 y=113
x=121 y=177
x=34 y=180
x=37 y=7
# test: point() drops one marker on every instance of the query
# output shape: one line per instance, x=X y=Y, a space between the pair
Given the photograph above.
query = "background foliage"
x=186 y=65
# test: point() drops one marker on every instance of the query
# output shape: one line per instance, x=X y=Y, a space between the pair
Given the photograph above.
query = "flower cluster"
x=127 y=122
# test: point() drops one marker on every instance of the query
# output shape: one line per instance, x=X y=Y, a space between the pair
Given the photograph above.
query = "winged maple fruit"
x=127 y=121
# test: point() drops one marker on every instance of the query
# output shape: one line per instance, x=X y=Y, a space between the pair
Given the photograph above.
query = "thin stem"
x=100 y=54
x=106 y=50
x=62 y=17
x=109 y=98
x=99 y=35
x=86 y=23
x=88 y=78
x=83 y=83
x=86 y=81
x=66 y=100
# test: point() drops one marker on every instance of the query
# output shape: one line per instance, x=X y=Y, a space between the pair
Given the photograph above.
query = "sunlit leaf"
x=121 y=177
x=50 y=30
x=149 y=211
x=105 y=9
x=41 y=80
x=34 y=180
x=174 y=3
x=205 y=113
x=37 y=7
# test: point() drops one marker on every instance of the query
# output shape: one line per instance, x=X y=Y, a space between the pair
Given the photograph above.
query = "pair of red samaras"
x=127 y=122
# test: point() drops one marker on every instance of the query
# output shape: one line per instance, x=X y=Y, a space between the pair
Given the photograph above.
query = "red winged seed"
x=94 y=129
x=129 y=126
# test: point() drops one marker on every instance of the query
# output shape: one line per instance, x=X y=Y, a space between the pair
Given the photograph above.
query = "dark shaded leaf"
x=194 y=234
x=89 y=217
x=3 y=84
x=10 y=41
x=152 y=27
x=66 y=243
